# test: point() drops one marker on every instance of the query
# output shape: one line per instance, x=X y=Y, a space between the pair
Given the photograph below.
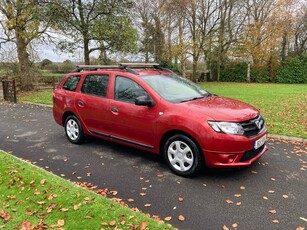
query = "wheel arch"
x=173 y=132
x=67 y=114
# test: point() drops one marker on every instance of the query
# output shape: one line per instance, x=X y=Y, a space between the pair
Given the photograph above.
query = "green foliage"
x=234 y=72
x=44 y=63
x=294 y=70
x=66 y=67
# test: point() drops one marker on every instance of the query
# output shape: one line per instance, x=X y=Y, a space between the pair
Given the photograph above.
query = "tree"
x=22 y=25
x=87 y=23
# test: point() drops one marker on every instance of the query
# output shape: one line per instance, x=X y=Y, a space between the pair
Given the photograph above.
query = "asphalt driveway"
x=271 y=194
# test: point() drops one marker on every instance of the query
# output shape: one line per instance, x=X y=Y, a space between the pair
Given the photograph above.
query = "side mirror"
x=144 y=101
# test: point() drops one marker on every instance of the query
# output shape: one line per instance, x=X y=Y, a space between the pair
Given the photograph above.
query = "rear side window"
x=95 y=85
x=71 y=83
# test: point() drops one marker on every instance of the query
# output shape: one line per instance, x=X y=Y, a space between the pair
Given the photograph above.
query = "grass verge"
x=31 y=198
x=42 y=97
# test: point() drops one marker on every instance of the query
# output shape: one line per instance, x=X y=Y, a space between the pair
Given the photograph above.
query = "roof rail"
x=96 y=67
x=139 y=65
x=123 y=66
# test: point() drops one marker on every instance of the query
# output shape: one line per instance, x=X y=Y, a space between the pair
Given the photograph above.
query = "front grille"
x=253 y=127
x=251 y=154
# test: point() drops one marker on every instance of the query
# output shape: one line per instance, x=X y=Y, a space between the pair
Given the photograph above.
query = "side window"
x=127 y=90
x=71 y=83
x=95 y=85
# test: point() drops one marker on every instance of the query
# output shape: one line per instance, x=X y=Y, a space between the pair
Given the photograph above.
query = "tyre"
x=73 y=130
x=182 y=155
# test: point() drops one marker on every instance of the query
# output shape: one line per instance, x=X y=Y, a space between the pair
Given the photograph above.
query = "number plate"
x=258 y=143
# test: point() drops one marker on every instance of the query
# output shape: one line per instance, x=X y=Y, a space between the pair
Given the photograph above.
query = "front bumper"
x=236 y=151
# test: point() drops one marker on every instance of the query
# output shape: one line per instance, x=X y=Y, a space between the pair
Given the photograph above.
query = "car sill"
x=122 y=139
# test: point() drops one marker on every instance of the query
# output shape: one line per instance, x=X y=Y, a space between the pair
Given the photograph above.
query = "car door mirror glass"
x=144 y=101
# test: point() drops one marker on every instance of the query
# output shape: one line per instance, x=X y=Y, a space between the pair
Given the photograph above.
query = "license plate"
x=258 y=143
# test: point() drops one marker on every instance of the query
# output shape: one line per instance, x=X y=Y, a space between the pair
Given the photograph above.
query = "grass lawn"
x=31 y=198
x=42 y=97
x=284 y=106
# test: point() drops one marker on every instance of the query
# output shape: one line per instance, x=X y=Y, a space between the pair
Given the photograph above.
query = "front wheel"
x=182 y=155
x=73 y=130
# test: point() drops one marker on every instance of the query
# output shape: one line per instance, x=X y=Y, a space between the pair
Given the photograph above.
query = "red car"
x=152 y=108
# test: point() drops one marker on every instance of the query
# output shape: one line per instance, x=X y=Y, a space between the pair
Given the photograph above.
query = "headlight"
x=226 y=127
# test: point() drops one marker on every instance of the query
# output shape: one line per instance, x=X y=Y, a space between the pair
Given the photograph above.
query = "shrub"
x=293 y=71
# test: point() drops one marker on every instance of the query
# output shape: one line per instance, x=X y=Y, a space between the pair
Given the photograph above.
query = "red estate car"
x=152 y=108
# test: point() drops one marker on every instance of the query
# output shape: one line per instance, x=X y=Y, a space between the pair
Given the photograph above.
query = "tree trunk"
x=26 y=81
x=86 y=50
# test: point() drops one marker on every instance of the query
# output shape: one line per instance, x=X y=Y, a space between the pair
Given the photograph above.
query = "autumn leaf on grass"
x=50 y=207
x=25 y=225
x=112 y=223
x=64 y=209
x=181 y=218
x=143 y=225
x=5 y=215
x=61 y=223
x=43 y=181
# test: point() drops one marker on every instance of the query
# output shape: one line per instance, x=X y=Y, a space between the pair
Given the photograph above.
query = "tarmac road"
x=247 y=198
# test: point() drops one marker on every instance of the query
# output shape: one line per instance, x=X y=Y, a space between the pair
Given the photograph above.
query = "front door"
x=131 y=123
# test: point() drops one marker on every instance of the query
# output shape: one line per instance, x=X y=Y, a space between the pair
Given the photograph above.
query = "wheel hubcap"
x=180 y=156
x=72 y=130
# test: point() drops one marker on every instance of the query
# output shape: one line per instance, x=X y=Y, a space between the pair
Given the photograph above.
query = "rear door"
x=92 y=103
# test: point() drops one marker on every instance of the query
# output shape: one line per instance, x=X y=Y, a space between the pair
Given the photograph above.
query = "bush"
x=234 y=72
x=293 y=71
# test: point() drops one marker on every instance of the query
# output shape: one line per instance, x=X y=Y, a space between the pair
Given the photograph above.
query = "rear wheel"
x=73 y=130
x=182 y=155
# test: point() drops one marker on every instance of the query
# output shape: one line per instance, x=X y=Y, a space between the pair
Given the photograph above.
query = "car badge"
x=258 y=124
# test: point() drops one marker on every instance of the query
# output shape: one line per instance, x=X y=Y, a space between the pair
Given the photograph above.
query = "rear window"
x=95 y=85
x=71 y=83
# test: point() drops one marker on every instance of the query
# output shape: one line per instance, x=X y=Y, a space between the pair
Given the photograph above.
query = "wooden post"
x=248 y=77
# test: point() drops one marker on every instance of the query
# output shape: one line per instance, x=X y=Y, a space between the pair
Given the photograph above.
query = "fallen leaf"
x=113 y=193
x=285 y=196
x=275 y=221
x=300 y=228
x=168 y=218
x=254 y=172
x=273 y=211
x=64 y=209
x=271 y=191
x=143 y=225
x=181 y=218
x=237 y=195
x=273 y=179
x=225 y=227
x=234 y=225
x=112 y=223
x=61 y=223
x=180 y=199
x=142 y=193
x=265 y=198
x=130 y=200
x=43 y=181
x=238 y=203
x=147 y=205
x=229 y=201
x=242 y=187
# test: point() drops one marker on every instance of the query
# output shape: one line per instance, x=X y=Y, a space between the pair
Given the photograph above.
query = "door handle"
x=80 y=103
x=115 y=110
